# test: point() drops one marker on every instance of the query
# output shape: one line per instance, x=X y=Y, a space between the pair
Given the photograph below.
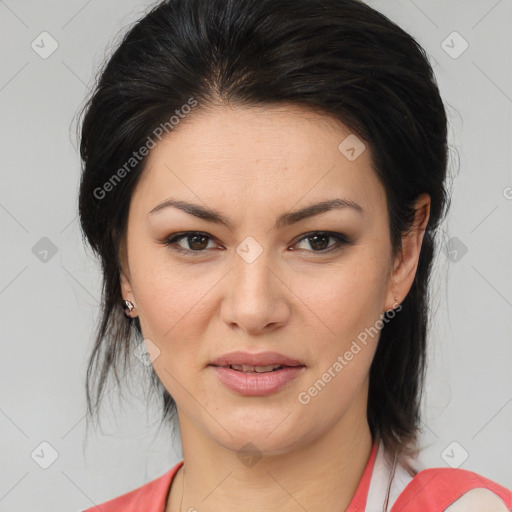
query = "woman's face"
x=256 y=284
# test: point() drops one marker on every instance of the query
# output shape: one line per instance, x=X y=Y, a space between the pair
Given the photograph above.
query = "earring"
x=127 y=306
x=394 y=306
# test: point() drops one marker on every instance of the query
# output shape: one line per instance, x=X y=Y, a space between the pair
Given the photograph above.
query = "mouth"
x=256 y=369
x=256 y=374
x=259 y=380
x=261 y=362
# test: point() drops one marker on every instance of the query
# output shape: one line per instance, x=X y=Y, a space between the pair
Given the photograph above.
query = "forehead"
x=286 y=154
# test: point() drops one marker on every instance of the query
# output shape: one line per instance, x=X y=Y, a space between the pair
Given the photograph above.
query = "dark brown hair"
x=340 y=57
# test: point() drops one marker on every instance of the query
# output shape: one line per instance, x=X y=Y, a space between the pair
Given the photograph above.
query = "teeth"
x=254 y=369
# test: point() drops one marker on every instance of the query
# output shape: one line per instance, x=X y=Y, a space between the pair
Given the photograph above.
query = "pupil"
x=314 y=244
x=194 y=238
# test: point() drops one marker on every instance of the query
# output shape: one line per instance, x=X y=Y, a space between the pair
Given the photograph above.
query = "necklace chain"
x=386 y=500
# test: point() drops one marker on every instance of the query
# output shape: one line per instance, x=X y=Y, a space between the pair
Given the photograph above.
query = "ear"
x=124 y=279
x=406 y=263
x=126 y=287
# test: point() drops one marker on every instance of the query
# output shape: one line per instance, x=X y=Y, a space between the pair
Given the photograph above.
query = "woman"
x=263 y=181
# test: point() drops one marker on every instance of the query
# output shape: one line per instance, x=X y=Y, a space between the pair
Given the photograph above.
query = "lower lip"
x=257 y=384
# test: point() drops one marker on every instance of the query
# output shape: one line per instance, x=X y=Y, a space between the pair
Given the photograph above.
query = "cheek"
x=162 y=294
x=346 y=308
x=175 y=309
x=346 y=300
x=172 y=315
x=164 y=290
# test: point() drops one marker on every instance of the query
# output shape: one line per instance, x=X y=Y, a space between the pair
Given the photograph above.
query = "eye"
x=319 y=241
x=198 y=242
x=195 y=240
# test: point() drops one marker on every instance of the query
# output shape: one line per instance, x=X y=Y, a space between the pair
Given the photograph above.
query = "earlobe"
x=407 y=260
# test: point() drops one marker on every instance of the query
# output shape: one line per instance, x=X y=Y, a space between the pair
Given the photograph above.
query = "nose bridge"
x=253 y=300
x=253 y=273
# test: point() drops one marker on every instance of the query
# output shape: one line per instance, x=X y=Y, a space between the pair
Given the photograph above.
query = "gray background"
x=49 y=302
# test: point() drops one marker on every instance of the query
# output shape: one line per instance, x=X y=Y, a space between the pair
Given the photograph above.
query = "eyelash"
x=341 y=240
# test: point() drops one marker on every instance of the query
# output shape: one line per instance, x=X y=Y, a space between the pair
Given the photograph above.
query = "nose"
x=256 y=297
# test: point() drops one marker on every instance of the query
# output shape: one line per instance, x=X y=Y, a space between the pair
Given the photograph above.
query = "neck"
x=322 y=474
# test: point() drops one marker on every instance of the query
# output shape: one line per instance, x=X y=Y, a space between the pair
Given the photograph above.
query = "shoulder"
x=150 y=497
x=452 y=490
x=479 y=500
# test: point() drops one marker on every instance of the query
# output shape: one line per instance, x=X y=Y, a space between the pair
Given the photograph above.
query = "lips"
x=258 y=363
x=261 y=384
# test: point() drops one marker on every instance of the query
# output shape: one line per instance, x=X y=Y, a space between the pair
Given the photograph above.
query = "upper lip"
x=259 y=359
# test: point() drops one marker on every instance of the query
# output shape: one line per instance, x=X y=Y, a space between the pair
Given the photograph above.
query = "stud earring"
x=395 y=305
x=127 y=306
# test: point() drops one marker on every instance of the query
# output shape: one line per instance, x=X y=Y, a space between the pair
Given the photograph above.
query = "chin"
x=258 y=444
x=271 y=433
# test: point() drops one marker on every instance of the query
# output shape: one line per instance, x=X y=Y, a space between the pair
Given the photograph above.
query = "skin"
x=252 y=165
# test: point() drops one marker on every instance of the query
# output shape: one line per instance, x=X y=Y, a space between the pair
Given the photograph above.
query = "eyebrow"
x=285 y=219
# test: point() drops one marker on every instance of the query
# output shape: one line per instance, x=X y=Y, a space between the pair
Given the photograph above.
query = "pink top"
x=430 y=490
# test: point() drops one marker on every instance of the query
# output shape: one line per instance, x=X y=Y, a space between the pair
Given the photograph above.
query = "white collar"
x=380 y=479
